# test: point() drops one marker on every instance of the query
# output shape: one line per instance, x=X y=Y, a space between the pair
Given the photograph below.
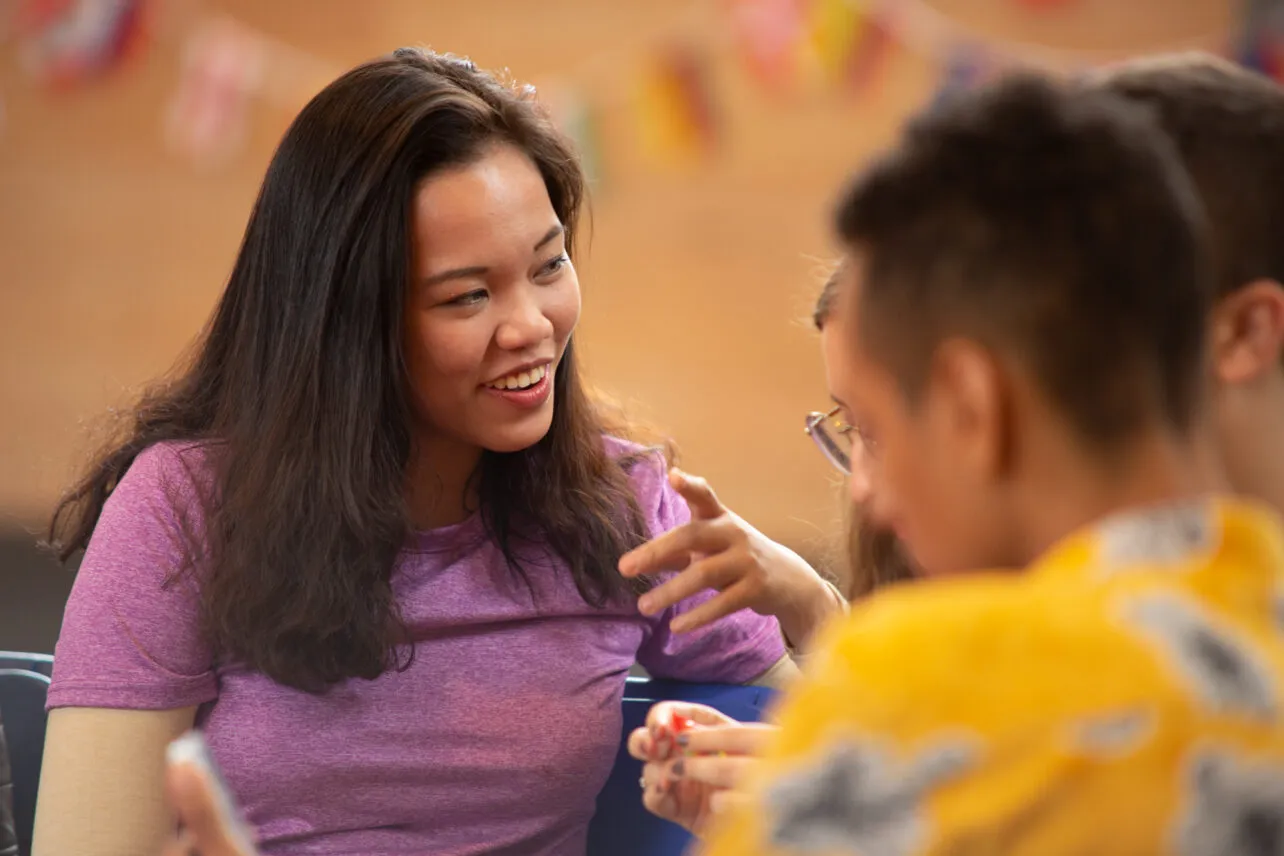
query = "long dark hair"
x=299 y=397
x=876 y=557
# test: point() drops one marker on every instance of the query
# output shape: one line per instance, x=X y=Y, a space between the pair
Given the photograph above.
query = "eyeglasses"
x=834 y=438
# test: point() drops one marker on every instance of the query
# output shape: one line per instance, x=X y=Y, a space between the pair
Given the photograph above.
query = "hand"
x=691 y=778
x=203 y=832
x=718 y=550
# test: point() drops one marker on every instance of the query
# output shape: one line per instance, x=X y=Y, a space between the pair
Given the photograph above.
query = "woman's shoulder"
x=647 y=465
x=648 y=469
x=170 y=473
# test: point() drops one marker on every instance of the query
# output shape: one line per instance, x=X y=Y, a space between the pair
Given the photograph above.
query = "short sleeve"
x=131 y=633
x=733 y=650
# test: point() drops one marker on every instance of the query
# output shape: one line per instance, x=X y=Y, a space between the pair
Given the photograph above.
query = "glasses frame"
x=829 y=446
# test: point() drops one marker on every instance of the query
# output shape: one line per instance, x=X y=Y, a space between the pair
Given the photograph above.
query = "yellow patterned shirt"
x=1123 y=696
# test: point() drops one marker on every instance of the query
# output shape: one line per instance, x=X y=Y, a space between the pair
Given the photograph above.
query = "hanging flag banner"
x=868 y=46
x=1261 y=39
x=768 y=34
x=832 y=30
x=223 y=69
x=66 y=42
x=676 y=106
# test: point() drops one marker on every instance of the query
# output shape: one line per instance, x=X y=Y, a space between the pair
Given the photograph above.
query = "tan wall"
x=112 y=250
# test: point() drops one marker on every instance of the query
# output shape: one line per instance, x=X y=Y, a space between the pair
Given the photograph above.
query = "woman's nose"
x=524 y=325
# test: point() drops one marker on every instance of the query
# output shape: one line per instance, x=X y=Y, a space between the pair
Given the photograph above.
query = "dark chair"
x=41 y=664
x=621 y=826
x=22 y=715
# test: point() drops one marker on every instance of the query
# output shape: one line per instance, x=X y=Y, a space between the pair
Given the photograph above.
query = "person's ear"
x=1248 y=332
x=975 y=400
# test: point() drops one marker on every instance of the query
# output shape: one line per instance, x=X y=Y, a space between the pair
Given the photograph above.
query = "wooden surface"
x=112 y=250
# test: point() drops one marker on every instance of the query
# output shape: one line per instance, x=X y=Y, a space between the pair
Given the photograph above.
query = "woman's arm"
x=779 y=676
x=102 y=781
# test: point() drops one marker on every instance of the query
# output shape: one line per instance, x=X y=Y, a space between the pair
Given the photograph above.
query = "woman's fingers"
x=715 y=771
x=736 y=739
x=662 y=714
x=640 y=744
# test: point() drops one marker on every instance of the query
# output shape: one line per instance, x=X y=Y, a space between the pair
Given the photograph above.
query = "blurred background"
x=133 y=136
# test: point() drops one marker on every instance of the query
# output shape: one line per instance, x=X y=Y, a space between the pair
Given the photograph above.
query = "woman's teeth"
x=521 y=380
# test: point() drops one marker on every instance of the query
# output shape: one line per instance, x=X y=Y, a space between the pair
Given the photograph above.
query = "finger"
x=193 y=801
x=660 y=803
x=640 y=744
x=714 y=572
x=672 y=550
x=739 y=739
x=733 y=599
x=661 y=715
x=718 y=772
x=701 y=499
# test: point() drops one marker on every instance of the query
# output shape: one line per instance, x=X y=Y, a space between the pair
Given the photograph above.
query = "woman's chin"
x=515 y=439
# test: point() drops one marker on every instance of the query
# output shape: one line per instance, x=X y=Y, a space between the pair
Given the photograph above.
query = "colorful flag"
x=223 y=69
x=1261 y=40
x=769 y=35
x=845 y=42
x=65 y=42
x=676 y=106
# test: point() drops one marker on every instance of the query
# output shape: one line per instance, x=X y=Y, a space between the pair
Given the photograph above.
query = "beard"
x=877 y=558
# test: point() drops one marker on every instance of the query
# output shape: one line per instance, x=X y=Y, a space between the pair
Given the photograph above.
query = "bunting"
x=67 y=42
x=676 y=106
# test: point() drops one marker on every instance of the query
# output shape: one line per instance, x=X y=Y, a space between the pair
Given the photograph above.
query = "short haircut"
x=1053 y=223
x=1228 y=125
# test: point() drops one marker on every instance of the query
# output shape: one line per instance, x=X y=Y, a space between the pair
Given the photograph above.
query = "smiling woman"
x=371 y=533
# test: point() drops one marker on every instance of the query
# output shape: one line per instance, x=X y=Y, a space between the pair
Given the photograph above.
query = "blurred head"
x=404 y=291
x=1002 y=312
x=1228 y=126
x=875 y=556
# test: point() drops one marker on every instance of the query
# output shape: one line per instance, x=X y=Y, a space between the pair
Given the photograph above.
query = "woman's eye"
x=554 y=265
x=471 y=298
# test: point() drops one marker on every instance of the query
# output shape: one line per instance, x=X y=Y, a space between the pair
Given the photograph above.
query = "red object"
x=769 y=33
x=681 y=724
x=69 y=41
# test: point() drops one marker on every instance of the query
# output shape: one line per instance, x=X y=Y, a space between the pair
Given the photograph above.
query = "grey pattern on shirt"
x=860 y=799
x=1223 y=673
x=1161 y=536
x=1234 y=807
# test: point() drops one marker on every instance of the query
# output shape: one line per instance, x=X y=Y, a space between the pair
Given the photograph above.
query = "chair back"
x=22 y=716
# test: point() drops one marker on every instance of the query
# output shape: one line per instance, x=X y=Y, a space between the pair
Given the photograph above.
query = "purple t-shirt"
x=496 y=740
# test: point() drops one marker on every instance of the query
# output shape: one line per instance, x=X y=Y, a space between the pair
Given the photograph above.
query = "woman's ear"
x=1248 y=332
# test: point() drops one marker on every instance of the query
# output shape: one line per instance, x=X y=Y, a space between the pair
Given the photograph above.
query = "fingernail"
x=683 y=740
x=677 y=769
x=644 y=605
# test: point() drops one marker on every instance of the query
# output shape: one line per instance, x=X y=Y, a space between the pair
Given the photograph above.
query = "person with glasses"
x=719 y=550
